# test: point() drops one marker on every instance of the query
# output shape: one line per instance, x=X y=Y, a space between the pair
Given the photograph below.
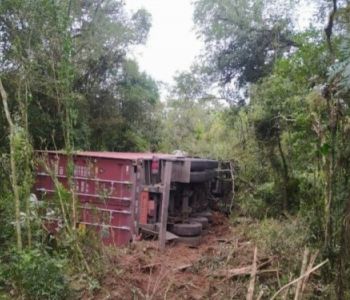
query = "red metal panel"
x=104 y=189
x=151 y=208
x=144 y=198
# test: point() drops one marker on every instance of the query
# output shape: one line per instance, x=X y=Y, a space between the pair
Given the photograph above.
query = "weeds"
x=34 y=274
x=285 y=241
x=280 y=238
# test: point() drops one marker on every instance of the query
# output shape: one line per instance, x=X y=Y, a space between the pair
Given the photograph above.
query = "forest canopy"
x=55 y=52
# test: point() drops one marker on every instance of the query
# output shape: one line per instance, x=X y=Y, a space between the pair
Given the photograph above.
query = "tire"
x=198 y=164
x=201 y=176
x=202 y=220
x=211 y=174
x=192 y=241
x=212 y=164
x=191 y=229
x=206 y=214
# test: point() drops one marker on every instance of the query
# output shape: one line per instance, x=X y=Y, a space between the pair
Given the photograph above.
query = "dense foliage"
x=285 y=124
x=66 y=82
x=73 y=51
x=270 y=99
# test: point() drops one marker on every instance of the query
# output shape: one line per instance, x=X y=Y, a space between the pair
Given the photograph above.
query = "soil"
x=180 y=272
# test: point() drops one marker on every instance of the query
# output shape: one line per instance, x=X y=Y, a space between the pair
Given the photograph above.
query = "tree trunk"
x=14 y=181
x=285 y=175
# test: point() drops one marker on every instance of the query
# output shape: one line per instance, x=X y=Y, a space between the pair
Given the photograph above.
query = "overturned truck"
x=123 y=195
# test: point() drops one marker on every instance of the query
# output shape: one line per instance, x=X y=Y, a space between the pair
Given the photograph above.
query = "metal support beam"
x=165 y=203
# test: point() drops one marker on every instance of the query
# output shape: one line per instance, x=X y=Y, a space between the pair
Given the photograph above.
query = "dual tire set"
x=202 y=170
x=190 y=233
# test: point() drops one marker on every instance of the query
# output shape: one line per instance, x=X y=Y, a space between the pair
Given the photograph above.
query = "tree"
x=124 y=121
x=242 y=39
x=189 y=114
x=14 y=178
x=91 y=46
x=55 y=57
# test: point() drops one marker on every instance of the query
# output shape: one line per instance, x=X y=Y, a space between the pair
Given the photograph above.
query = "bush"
x=37 y=275
x=280 y=237
x=253 y=207
x=6 y=220
x=261 y=203
x=285 y=239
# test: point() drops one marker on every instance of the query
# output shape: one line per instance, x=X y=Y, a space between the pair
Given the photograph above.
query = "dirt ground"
x=180 y=272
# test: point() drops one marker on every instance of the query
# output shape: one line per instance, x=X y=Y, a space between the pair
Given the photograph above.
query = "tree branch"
x=329 y=28
x=299 y=278
x=4 y=102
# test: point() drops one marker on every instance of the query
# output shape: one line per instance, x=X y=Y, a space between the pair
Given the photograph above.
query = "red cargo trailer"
x=118 y=192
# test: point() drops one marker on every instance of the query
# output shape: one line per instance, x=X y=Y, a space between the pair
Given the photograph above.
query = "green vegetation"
x=284 y=122
x=271 y=99
x=36 y=275
x=66 y=83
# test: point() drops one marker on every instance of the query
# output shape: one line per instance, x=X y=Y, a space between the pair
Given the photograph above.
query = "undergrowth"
x=285 y=240
x=34 y=274
x=279 y=237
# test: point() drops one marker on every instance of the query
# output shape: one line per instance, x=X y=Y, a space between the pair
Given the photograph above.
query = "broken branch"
x=299 y=278
x=252 y=277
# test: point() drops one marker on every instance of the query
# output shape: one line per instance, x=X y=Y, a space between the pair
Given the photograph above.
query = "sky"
x=172 y=44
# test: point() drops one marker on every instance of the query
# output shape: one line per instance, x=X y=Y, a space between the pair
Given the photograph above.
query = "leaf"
x=324 y=149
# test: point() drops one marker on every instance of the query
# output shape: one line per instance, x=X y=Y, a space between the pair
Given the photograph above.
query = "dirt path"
x=181 y=272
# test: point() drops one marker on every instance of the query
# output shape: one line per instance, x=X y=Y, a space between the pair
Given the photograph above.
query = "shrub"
x=253 y=207
x=6 y=218
x=261 y=203
x=285 y=239
x=37 y=275
x=280 y=237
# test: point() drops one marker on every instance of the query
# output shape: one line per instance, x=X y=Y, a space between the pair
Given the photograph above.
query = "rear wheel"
x=201 y=176
x=206 y=214
x=184 y=229
x=202 y=220
x=198 y=164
